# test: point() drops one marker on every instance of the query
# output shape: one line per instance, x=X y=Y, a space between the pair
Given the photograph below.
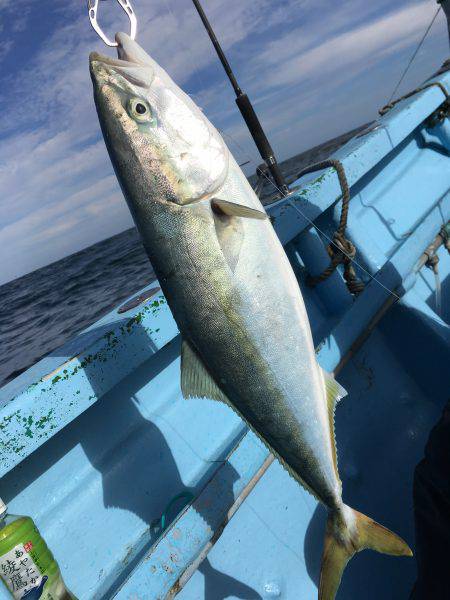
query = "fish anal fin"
x=196 y=381
x=334 y=393
x=231 y=209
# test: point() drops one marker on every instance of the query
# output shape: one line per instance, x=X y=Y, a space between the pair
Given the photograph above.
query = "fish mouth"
x=128 y=53
x=133 y=64
x=96 y=57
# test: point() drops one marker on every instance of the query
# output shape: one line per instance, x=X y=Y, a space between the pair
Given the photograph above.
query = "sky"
x=314 y=69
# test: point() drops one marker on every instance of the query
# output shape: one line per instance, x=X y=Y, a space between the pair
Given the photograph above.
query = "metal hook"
x=125 y=4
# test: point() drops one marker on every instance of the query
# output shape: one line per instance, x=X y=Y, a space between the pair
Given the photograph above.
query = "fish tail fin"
x=348 y=532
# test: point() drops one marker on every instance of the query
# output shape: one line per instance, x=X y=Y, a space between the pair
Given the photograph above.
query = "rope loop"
x=341 y=250
x=355 y=285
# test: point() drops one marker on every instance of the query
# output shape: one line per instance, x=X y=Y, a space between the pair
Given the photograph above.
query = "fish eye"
x=140 y=110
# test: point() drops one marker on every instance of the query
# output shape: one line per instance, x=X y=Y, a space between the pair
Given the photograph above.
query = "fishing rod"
x=246 y=109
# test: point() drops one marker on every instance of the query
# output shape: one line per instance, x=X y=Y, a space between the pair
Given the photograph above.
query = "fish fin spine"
x=347 y=533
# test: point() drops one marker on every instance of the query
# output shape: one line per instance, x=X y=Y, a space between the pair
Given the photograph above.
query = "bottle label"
x=20 y=573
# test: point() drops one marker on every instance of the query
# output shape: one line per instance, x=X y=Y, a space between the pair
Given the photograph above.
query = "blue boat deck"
x=96 y=439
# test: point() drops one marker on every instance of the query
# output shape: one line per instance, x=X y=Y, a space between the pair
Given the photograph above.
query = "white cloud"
x=347 y=53
x=335 y=84
x=5 y=47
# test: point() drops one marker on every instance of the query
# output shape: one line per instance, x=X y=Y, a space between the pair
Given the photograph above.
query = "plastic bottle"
x=27 y=566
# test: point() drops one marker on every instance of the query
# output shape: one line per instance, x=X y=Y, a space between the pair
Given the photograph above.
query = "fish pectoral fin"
x=335 y=392
x=196 y=381
x=231 y=209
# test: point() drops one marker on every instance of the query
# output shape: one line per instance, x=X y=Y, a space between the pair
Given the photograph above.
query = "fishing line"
x=411 y=60
x=246 y=154
x=332 y=242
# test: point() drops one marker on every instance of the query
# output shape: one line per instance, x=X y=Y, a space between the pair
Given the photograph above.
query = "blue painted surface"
x=95 y=439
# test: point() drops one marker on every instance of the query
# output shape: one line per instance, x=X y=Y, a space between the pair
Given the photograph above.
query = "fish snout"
x=98 y=74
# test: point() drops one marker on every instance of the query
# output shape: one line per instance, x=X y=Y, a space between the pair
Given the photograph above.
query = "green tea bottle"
x=27 y=566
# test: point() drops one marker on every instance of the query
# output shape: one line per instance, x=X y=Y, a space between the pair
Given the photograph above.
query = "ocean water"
x=43 y=309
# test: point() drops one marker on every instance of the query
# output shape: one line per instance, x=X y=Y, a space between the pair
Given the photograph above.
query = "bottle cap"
x=3 y=508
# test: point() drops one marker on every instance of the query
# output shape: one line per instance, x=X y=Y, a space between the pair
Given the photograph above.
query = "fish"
x=246 y=338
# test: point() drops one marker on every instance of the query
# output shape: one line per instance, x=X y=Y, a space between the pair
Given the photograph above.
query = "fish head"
x=156 y=135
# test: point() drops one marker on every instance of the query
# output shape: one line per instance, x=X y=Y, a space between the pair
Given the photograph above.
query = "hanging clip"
x=125 y=4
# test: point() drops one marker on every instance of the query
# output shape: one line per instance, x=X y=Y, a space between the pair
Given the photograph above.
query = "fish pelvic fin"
x=347 y=533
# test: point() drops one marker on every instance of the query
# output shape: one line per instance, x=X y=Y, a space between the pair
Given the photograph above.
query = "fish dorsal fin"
x=196 y=381
x=335 y=392
x=231 y=209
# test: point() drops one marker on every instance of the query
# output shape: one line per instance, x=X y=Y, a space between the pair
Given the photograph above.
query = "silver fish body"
x=226 y=277
x=241 y=309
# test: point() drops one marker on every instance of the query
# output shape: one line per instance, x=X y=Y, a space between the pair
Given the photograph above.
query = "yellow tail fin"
x=346 y=534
